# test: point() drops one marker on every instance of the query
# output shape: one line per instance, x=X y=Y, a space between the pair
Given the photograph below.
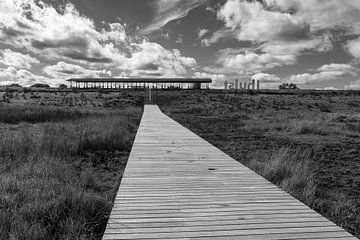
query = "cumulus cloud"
x=251 y=61
x=353 y=47
x=45 y=31
x=16 y=59
x=329 y=88
x=167 y=11
x=22 y=76
x=252 y=22
x=180 y=39
x=289 y=20
x=217 y=79
x=333 y=67
x=266 y=78
x=66 y=36
x=267 y=81
x=322 y=15
x=155 y=60
x=202 y=32
x=63 y=71
x=277 y=33
x=320 y=43
x=217 y=36
x=353 y=85
x=325 y=72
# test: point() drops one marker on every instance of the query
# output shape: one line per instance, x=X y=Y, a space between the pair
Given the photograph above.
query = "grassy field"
x=62 y=155
x=60 y=167
x=307 y=143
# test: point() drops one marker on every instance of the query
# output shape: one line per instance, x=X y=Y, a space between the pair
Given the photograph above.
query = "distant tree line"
x=36 y=85
x=288 y=86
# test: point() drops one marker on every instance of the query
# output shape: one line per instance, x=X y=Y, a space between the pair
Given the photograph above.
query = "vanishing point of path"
x=178 y=186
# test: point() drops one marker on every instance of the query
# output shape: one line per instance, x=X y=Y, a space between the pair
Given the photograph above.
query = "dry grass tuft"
x=308 y=127
x=289 y=169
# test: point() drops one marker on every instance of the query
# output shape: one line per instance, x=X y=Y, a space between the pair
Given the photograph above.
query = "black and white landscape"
x=272 y=84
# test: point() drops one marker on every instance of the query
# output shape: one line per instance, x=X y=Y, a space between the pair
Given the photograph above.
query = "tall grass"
x=316 y=127
x=289 y=169
x=36 y=114
x=49 y=186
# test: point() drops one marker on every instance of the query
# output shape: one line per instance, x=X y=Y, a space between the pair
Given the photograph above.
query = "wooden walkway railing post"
x=178 y=186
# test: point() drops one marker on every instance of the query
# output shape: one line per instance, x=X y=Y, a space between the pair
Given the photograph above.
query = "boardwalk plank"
x=178 y=186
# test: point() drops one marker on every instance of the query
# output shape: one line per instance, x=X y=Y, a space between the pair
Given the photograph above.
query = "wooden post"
x=149 y=94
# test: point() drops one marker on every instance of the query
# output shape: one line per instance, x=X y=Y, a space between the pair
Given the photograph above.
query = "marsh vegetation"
x=60 y=169
x=62 y=155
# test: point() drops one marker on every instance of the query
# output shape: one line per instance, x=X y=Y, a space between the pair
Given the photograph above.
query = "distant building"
x=126 y=83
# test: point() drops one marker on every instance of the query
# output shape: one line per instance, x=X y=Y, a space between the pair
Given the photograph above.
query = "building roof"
x=141 y=80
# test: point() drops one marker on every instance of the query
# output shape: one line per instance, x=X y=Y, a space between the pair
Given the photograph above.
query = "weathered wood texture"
x=178 y=186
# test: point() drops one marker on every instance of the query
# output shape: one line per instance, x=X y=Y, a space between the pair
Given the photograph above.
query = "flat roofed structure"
x=123 y=83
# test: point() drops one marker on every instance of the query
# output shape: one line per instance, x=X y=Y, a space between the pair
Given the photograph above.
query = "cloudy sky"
x=313 y=43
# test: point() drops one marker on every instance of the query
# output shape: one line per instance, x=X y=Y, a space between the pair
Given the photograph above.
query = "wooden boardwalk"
x=178 y=186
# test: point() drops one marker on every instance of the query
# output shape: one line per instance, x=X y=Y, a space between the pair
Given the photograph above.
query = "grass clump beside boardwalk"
x=289 y=169
x=58 y=178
